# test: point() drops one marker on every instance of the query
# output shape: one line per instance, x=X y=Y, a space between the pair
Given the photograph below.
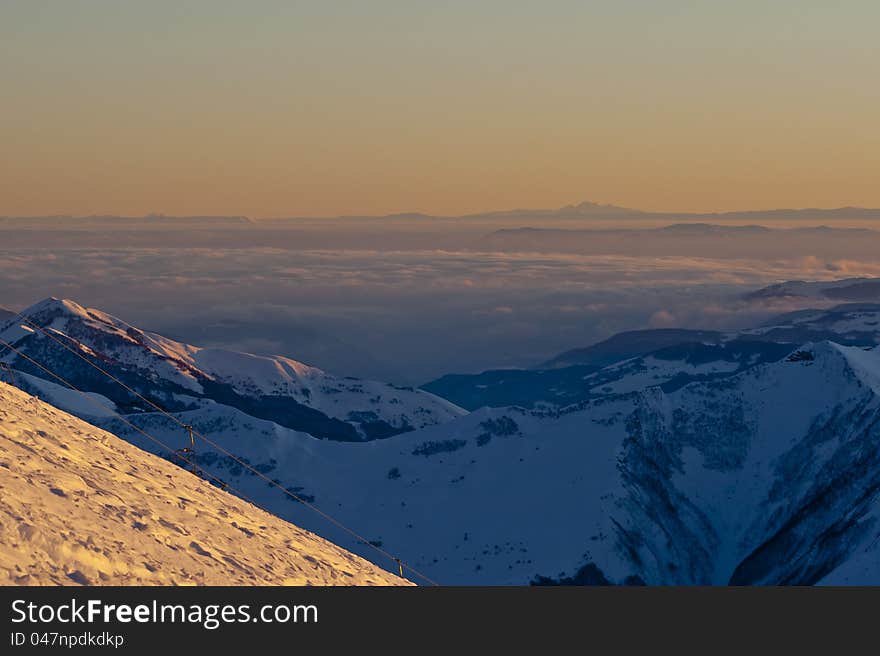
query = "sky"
x=290 y=108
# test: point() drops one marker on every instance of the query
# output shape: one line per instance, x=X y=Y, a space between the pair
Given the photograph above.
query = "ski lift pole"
x=399 y=566
x=192 y=448
x=189 y=450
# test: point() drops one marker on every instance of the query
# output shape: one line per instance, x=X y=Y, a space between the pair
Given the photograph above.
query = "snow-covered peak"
x=278 y=388
x=57 y=313
x=85 y=507
x=60 y=306
x=258 y=370
x=768 y=475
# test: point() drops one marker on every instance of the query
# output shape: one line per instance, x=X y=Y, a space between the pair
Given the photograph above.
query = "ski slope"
x=769 y=476
x=81 y=506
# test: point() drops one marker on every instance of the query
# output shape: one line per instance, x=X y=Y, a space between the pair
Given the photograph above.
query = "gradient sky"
x=281 y=108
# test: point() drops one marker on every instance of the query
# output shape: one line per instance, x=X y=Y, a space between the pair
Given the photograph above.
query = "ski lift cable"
x=196 y=469
x=226 y=452
x=103 y=407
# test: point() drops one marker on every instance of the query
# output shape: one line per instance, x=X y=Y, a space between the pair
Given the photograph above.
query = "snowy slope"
x=800 y=327
x=766 y=476
x=752 y=459
x=630 y=344
x=670 y=367
x=670 y=358
x=676 y=366
x=181 y=376
x=86 y=405
x=80 y=506
x=854 y=324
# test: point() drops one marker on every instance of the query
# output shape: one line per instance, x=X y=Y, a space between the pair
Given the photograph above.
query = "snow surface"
x=90 y=405
x=865 y=362
x=768 y=475
x=694 y=486
x=150 y=357
x=80 y=506
x=848 y=321
x=649 y=371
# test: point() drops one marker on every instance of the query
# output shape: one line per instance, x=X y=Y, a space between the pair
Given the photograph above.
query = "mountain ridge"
x=180 y=375
x=582 y=209
x=762 y=467
x=668 y=357
x=513 y=496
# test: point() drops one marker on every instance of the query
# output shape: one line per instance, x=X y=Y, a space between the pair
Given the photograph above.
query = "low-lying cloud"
x=406 y=316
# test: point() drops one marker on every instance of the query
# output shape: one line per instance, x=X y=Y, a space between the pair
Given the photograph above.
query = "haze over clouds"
x=405 y=316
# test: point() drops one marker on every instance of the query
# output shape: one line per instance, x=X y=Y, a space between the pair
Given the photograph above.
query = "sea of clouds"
x=406 y=316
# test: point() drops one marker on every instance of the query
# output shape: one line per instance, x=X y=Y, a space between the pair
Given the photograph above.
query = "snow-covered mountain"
x=581 y=373
x=670 y=367
x=180 y=376
x=81 y=506
x=672 y=358
x=629 y=344
x=854 y=324
x=767 y=476
x=851 y=323
x=752 y=458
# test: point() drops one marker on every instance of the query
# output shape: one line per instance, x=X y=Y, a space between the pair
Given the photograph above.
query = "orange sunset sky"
x=291 y=108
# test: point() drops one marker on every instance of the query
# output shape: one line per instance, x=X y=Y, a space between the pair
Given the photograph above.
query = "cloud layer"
x=405 y=316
